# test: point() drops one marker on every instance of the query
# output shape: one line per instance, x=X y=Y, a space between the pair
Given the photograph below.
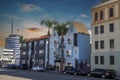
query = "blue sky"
x=29 y=13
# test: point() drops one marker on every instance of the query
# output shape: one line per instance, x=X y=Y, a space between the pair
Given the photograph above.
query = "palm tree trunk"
x=62 y=51
x=48 y=50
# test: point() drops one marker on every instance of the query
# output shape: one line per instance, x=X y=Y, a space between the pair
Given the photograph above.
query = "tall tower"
x=12 y=27
x=106 y=35
x=13 y=42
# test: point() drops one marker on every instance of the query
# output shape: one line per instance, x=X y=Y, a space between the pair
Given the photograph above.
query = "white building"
x=106 y=35
x=13 y=42
x=77 y=46
x=7 y=57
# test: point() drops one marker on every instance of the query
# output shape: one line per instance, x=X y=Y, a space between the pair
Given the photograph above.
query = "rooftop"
x=80 y=27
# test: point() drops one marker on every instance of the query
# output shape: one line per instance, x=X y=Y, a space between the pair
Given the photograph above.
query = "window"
x=96 y=30
x=102 y=29
x=41 y=42
x=68 y=53
x=69 y=41
x=75 y=39
x=96 y=16
x=102 y=44
x=111 y=12
x=41 y=52
x=111 y=60
x=23 y=62
x=55 y=53
x=101 y=15
x=24 y=53
x=96 y=60
x=111 y=43
x=101 y=59
x=96 y=45
x=111 y=27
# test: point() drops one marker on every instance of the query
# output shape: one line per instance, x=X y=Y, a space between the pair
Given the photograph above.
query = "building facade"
x=106 y=35
x=13 y=42
x=34 y=52
x=7 y=57
x=76 y=47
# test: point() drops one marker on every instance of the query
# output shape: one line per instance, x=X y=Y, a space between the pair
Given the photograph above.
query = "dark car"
x=79 y=72
x=71 y=70
x=104 y=73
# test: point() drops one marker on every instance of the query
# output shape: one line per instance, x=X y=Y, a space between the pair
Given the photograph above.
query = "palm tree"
x=61 y=28
x=49 y=24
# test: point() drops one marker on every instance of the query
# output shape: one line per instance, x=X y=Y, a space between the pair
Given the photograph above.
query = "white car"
x=37 y=68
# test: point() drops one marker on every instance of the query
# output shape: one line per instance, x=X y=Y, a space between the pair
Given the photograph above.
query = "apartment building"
x=106 y=35
x=76 y=47
x=34 y=52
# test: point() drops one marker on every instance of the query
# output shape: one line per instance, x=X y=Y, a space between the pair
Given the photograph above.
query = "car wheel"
x=103 y=76
x=75 y=73
x=88 y=75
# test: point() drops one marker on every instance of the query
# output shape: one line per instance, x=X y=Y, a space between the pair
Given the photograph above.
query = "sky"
x=27 y=15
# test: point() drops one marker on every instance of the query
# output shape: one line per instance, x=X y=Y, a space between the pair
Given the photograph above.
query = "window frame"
x=102 y=29
x=111 y=27
x=96 y=30
x=102 y=45
x=96 y=44
x=112 y=60
x=112 y=43
x=111 y=12
x=96 y=59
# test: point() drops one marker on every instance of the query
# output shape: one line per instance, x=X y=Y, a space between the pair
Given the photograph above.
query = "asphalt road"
x=33 y=75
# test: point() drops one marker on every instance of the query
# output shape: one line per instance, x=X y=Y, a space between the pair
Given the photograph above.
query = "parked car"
x=104 y=73
x=117 y=77
x=10 y=66
x=37 y=68
x=79 y=72
x=71 y=70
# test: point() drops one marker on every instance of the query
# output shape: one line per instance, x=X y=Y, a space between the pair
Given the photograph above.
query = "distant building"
x=106 y=35
x=34 y=52
x=7 y=57
x=13 y=42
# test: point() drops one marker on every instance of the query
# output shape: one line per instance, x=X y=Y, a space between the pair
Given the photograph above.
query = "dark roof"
x=35 y=39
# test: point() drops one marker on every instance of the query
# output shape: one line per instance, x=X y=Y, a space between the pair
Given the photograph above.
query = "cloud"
x=83 y=16
x=30 y=7
x=34 y=29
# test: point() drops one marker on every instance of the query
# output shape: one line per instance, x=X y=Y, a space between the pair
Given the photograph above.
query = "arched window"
x=101 y=15
x=111 y=12
x=96 y=16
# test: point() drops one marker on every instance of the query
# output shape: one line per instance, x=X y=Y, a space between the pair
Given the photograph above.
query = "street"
x=33 y=75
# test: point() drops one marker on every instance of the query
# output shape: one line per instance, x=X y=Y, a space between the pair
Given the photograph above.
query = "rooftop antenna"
x=12 y=27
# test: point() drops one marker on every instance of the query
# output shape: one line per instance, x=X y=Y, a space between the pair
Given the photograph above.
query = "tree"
x=21 y=39
x=48 y=24
x=61 y=28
